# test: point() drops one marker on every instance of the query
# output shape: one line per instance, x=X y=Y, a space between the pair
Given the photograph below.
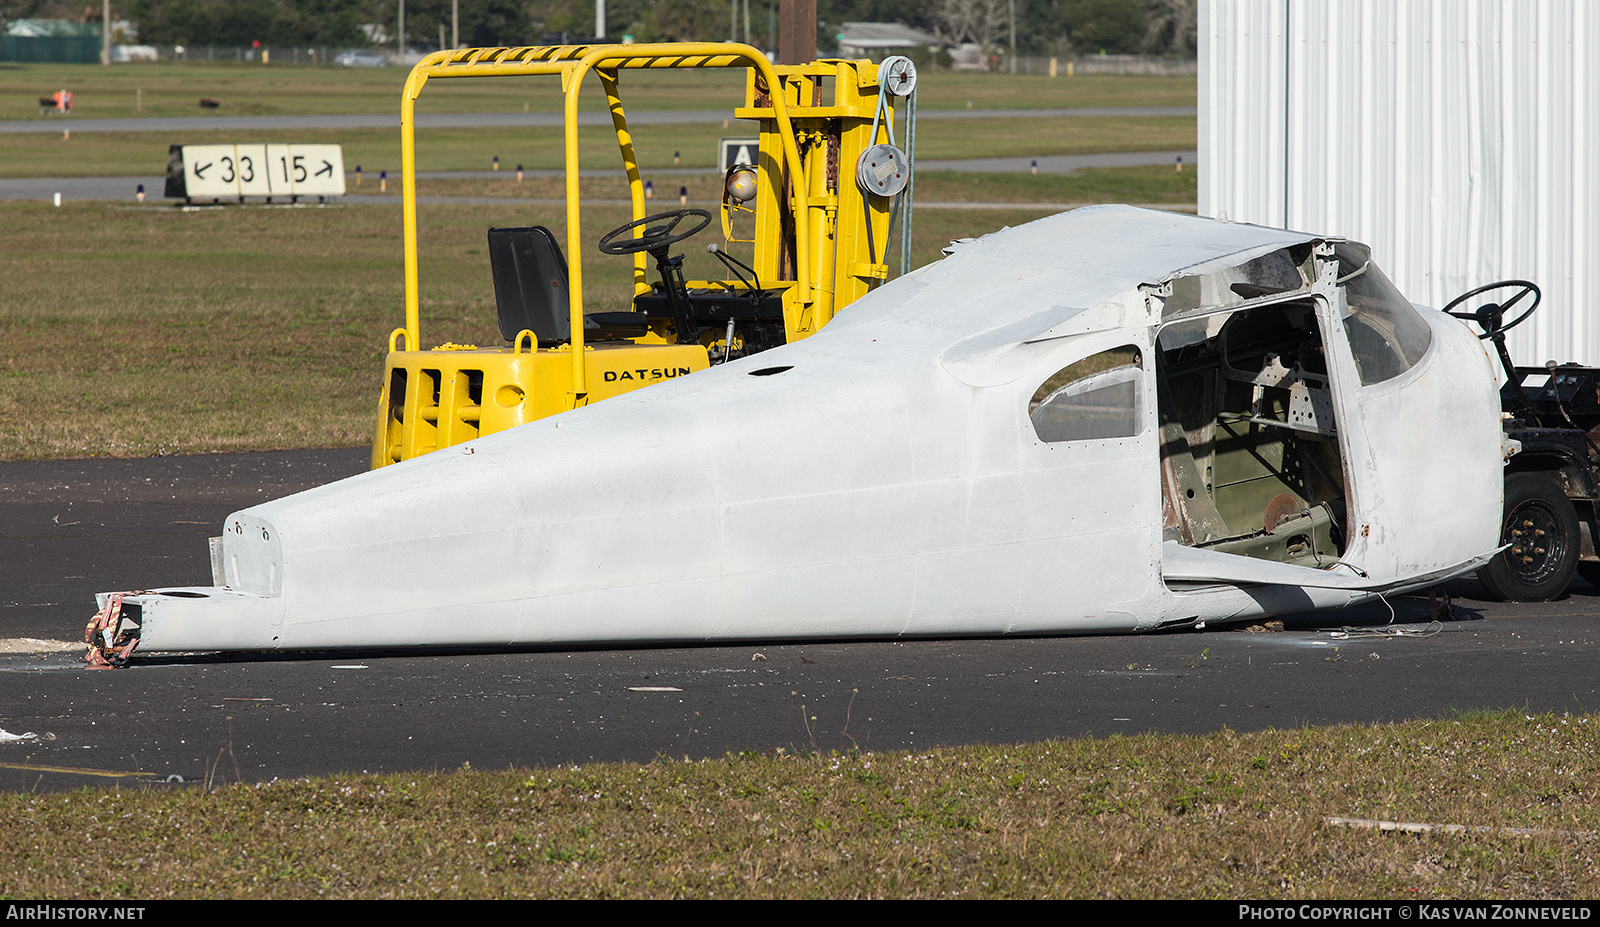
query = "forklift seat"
x=530 y=291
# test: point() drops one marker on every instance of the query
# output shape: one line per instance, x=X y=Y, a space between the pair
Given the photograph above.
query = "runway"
x=69 y=529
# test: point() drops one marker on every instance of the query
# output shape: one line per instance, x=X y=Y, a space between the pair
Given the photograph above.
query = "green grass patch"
x=1020 y=137
x=1226 y=815
x=120 y=154
x=129 y=331
x=245 y=89
x=1150 y=184
x=253 y=89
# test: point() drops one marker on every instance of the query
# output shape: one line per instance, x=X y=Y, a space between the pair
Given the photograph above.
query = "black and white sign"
x=738 y=151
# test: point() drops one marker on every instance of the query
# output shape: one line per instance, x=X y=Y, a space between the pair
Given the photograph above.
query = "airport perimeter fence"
x=970 y=59
x=1107 y=64
x=85 y=49
x=303 y=55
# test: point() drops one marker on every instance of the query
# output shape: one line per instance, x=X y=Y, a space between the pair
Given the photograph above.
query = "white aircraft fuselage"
x=898 y=474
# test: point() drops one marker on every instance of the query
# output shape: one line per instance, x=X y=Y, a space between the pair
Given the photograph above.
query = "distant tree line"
x=1043 y=27
x=323 y=22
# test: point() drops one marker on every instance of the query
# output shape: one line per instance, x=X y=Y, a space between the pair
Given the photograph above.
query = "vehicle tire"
x=1542 y=527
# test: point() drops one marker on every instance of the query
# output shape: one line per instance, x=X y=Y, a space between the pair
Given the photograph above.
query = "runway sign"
x=738 y=151
x=218 y=171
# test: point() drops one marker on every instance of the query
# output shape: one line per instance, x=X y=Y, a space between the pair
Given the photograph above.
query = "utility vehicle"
x=1552 y=475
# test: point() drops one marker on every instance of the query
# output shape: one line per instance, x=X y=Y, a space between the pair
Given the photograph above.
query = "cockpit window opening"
x=1386 y=334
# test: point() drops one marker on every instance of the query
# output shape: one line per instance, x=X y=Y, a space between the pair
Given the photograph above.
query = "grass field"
x=1226 y=815
x=119 y=154
x=131 y=331
x=174 y=89
x=257 y=90
x=1150 y=185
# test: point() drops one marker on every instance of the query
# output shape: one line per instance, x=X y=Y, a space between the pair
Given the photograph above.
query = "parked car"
x=361 y=58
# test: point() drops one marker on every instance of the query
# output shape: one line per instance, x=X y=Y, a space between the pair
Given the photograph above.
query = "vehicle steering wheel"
x=1490 y=315
x=658 y=237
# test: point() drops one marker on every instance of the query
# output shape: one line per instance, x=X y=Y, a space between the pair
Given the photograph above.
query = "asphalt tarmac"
x=69 y=529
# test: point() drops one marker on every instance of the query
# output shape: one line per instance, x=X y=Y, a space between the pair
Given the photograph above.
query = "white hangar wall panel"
x=1458 y=138
x=1242 y=90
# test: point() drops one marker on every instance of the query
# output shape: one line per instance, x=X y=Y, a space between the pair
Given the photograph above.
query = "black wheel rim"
x=1538 y=544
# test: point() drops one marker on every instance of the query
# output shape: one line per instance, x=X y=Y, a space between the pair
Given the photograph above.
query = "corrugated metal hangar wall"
x=1459 y=138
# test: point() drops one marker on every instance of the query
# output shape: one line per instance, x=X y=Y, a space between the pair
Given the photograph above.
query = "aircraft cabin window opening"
x=1101 y=396
x=1250 y=459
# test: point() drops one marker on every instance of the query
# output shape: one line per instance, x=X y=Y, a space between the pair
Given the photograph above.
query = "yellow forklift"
x=820 y=202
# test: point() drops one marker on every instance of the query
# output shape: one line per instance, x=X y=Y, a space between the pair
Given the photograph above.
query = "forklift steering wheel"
x=658 y=237
x=1489 y=317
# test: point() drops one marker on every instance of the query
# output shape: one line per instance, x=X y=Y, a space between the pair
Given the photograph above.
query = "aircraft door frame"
x=1089 y=571
x=1422 y=470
